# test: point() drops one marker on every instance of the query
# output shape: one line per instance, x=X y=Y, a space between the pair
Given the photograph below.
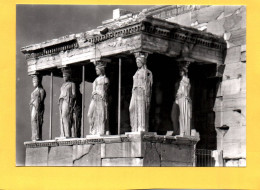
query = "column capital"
x=185 y=59
x=100 y=59
x=35 y=73
x=66 y=70
x=141 y=51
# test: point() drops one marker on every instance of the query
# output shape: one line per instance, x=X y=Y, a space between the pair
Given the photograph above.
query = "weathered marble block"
x=122 y=162
x=36 y=156
x=60 y=156
x=131 y=149
x=87 y=155
x=175 y=164
x=177 y=153
x=123 y=149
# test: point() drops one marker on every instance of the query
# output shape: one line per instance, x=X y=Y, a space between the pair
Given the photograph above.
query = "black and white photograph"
x=131 y=85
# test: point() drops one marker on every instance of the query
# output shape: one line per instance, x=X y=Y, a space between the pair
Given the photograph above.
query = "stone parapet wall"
x=123 y=150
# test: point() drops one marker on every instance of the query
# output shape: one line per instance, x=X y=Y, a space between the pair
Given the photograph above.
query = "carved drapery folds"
x=37 y=107
x=98 y=108
x=182 y=107
x=67 y=103
x=141 y=95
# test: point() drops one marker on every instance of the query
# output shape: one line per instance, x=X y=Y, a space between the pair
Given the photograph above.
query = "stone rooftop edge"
x=118 y=24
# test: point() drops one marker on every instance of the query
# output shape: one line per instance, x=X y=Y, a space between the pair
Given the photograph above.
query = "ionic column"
x=141 y=95
x=37 y=107
x=182 y=107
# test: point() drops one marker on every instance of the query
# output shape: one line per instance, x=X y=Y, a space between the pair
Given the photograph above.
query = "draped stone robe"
x=37 y=111
x=181 y=110
x=140 y=100
x=98 y=107
x=66 y=105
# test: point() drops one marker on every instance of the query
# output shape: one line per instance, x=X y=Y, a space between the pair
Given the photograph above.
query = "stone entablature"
x=135 y=34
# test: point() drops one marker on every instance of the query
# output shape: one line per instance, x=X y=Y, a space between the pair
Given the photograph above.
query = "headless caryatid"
x=37 y=108
x=141 y=95
x=97 y=113
x=77 y=114
x=181 y=109
x=67 y=104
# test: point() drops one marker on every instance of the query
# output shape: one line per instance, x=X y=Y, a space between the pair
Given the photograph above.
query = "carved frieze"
x=52 y=50
x=145 y=33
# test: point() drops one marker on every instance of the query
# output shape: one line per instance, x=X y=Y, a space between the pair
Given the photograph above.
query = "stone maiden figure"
x=37 y=107
x=97 y=113
x=67 y=103
x=141 y=95
x=181 y=109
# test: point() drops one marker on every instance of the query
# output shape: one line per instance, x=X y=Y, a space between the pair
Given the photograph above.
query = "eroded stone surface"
x=87 y=155
x=243 y=57
x=207 y=14
x=232 y=163
x=231 y=9
x=235 y=70
x=234 y=143
x=152 y=155
x=238 y=37
x=175 y=164
x=216 y=27
x=229 y=118
x=177 y=153
x=124 y=149
x=233 y=22
x=122 y=162
x=36 y=156
x=183 y=19
x=60 y=156
x=233 y=54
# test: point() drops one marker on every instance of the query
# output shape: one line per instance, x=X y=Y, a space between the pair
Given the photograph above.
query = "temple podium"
x=131 y=149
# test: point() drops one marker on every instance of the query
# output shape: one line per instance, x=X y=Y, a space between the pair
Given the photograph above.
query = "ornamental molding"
x=187 y=140
x=148 y=26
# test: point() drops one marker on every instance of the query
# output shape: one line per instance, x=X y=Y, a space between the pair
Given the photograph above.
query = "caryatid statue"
x=141 y=95
x=37 y=107
x=182 y=107
x=66 y=103
x=98 y=108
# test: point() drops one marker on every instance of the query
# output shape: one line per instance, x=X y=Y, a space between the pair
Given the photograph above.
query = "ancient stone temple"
x=168 y=90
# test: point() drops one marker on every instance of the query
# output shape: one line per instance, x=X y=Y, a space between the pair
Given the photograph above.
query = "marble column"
x=141 y=95
x=182 y=107
x=37 y=107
